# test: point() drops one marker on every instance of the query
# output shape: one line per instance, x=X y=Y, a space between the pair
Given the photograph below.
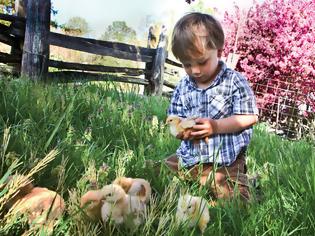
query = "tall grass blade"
x=69 y=108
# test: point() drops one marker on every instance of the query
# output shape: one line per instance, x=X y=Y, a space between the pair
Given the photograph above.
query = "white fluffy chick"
x=193 y=210
x=135 y=187
x=118 y=206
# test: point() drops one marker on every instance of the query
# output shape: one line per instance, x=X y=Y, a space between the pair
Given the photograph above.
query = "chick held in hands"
x=181 y=127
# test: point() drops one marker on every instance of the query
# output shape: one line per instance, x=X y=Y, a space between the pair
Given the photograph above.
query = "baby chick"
x=181 y=126
x=135 y=187
x=193 y=210
x=118 y=206
x=94 y=199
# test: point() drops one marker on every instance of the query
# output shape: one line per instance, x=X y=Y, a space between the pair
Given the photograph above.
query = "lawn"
x=87 y=127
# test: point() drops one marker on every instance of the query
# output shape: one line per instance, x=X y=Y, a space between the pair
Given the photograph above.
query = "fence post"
x=16 y=50
x=155 y=78
x=36 y=47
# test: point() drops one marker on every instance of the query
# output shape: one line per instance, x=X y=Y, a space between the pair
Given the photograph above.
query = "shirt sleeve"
x=244 y=101
x=176 y=106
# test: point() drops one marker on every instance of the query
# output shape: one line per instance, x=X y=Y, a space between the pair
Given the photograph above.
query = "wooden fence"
x=30 y=38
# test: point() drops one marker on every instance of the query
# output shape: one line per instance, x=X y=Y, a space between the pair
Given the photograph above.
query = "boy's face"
x=204 y=68
x=203 y=65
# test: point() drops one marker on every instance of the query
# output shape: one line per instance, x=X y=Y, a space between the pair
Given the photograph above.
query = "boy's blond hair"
x=187 y=44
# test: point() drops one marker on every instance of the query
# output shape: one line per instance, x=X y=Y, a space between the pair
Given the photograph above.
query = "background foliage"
x=77 y=26
x=119 y=31
x=275 y=42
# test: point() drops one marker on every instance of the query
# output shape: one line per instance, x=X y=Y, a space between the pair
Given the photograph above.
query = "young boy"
x=223 y=103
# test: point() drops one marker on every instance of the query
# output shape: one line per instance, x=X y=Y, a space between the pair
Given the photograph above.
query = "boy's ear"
x=220 y=51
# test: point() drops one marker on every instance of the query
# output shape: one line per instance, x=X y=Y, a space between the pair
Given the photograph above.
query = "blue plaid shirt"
x=229 y=94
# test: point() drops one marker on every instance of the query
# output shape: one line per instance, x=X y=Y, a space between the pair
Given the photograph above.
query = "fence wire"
x=287 y=105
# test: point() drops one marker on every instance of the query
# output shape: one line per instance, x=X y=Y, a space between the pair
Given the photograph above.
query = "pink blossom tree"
x=275 y=41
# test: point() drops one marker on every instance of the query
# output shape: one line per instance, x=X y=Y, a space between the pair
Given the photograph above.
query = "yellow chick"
x=193 y=210
x=94 y=199
x=118 y=206
x=135 y=187
x=181 y=126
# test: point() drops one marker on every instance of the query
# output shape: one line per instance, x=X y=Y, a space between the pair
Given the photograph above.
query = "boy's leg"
x=225 y=178
x=172 y=162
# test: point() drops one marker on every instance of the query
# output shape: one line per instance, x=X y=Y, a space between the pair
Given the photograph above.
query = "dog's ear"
x=21 y=192
x=142 y=193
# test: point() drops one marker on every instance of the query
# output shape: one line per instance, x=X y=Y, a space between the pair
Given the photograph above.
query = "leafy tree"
x=6 y=6
x=119 y=31
x=201 y=7
x=77 y=25
x=275 y=41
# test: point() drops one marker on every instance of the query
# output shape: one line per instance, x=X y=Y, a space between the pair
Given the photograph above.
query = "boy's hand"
x=185 y=135
x=204 y=128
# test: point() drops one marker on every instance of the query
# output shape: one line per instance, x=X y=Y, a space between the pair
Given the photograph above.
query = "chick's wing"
x=187 y=123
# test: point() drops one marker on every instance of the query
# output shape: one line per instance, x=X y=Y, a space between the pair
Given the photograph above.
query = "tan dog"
x=41 y=206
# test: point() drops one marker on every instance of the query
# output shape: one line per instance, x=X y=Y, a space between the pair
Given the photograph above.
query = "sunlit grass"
x=97 y=125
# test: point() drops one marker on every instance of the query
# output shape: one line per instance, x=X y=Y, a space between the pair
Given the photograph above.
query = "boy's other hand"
x=204 y=127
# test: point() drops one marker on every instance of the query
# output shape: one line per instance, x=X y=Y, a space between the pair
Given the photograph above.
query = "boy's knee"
x=244 y=193
x=172 y=159
x=172 y=162
x=219 y=179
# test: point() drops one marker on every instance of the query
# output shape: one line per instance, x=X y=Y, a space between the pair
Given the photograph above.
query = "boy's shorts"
x=224 y=182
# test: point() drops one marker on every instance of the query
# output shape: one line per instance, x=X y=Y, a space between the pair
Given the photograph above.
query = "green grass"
x=92 y=124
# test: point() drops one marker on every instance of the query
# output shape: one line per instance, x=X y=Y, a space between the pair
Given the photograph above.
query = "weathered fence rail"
x=30 y=38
